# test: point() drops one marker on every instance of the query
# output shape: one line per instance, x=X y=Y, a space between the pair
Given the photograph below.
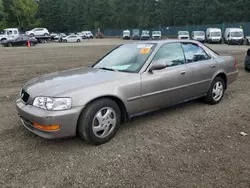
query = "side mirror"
x=157 y=65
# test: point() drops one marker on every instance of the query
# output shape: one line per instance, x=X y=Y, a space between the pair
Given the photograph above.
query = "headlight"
x=53 y=104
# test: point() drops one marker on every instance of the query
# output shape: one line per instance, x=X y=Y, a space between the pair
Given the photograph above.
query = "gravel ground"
x=190 y=145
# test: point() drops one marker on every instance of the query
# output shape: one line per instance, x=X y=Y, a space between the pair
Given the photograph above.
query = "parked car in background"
x=9 y=33
x=72 y=38
x=198 y=36
x=214 y=35
x=145 y=35
x=136 y=34
x=126 y=34
x=248 y=40
x=21 y=40
x=234 y=36
x=87 y=34
x=131 y=80
x=183 y=35
x=156 y=35
x=38 y=32
x=80 y=34
x=247 y=60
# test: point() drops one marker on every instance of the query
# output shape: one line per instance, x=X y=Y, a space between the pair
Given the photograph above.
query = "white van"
x=183 y=35
x=126 y=34
x=214 y=35
x=9 y=33
x=234 y=36
x=198 y=36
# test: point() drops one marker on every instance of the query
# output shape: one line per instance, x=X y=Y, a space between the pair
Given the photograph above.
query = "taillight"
x=235 y=64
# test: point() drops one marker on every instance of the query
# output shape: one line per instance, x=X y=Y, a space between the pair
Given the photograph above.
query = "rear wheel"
x=99 y=122
x=78 y=40
x=216 y=91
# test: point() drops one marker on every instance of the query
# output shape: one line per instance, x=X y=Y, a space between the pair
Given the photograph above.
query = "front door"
x=168 y=86
x=201 y=69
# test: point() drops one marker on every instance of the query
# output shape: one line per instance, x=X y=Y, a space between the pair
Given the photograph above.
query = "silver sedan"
x=130 y=80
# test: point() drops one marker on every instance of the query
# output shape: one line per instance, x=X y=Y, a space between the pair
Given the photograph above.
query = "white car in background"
x=126 y=34
x=38 y=32
x=156 y=35
x=87 y=34
x=9 y=33
x=72 y=38
x=183 y=35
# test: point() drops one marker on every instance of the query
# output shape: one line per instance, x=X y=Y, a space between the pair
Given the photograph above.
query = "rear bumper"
x=231 y=77
x=67 y=120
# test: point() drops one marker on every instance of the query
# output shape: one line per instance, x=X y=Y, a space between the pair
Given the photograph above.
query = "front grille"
x=24 y=96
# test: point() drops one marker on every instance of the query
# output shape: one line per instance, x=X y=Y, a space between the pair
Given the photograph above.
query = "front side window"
x=194 y=53
x=15 y=31
x=126 y=58
x=171 y=53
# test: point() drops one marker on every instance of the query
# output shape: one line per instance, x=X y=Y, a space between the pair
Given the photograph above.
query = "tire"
x=78 y=40
x=210 y=98
x=31 y=35
x=88 y=120
x=247 y=69
x=65 y=41
x=9 y=44
x=46 y=34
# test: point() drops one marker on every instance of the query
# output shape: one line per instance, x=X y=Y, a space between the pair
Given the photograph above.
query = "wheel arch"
x=221 y=75
x=119 y=102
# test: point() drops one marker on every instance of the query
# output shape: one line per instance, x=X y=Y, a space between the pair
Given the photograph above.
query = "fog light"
x=47 y=128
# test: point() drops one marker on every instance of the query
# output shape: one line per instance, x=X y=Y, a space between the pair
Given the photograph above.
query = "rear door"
x=201 y=68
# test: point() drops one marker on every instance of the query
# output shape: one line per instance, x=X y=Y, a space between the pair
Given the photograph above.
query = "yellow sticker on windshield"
x=145 y=51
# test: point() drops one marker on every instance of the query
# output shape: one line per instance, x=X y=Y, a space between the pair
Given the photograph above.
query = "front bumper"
x=67 y=120
x=236 y=41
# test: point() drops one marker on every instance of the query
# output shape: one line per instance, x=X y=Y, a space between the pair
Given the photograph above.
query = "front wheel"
x=99 y=122
x=78 y=40
x=216 y=91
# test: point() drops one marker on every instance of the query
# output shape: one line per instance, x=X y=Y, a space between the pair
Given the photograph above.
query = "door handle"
x=213 y=66
x=183 y=72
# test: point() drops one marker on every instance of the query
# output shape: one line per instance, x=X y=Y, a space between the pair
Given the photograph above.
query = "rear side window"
x=171 y=53
x=194 y=53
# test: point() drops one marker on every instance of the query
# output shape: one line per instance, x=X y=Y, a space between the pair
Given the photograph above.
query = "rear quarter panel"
x=227 y=66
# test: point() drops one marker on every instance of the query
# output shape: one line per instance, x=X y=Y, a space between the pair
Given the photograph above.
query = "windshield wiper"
x=109 y=69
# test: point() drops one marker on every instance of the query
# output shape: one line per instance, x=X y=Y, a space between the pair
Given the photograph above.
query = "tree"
x=3 y=22
x=22 y=13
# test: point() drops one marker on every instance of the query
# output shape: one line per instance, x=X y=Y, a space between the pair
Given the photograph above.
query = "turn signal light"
x=47 y=128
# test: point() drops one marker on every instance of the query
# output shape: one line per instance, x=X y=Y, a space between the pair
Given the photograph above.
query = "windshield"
x=199 y=33
x=136 y=32
x=236 y=34
x=156 y=32
x=183 y=33
x=126 y=58
x=215 y=34
x=126 y=32
x=145 y=32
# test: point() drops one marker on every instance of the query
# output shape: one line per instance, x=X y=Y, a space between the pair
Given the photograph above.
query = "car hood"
x=59 y=83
